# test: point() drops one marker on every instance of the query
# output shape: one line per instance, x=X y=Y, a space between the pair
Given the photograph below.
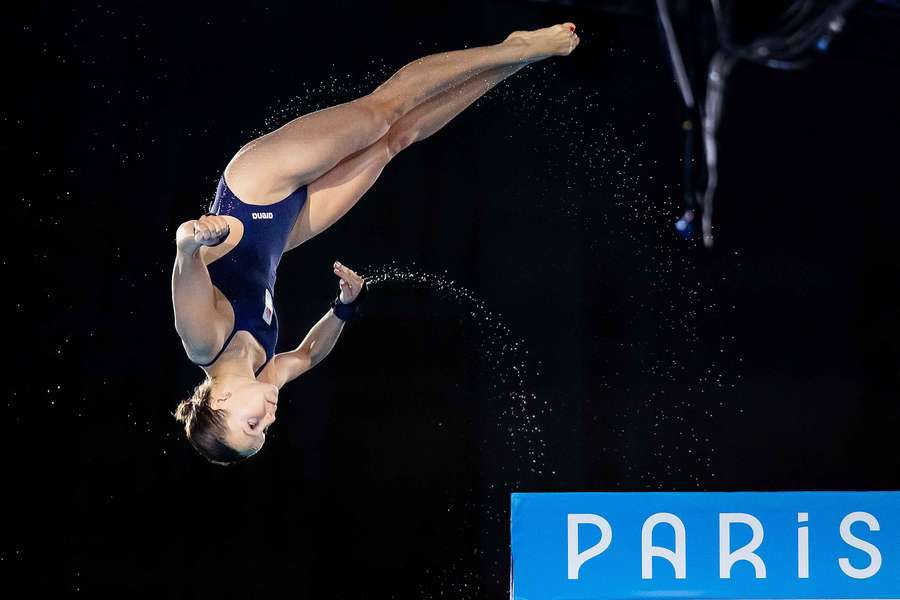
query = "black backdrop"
x=542 y=326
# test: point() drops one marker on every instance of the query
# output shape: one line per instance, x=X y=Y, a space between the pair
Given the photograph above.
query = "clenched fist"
x=208 y=230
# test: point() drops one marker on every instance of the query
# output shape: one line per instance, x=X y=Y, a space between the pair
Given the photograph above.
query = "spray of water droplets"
x=519 y=412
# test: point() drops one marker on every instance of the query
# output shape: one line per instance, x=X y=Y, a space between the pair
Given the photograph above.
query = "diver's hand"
x=208 y=230
x=350 y=283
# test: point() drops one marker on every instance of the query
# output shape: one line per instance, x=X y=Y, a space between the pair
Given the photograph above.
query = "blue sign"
x=775 y=545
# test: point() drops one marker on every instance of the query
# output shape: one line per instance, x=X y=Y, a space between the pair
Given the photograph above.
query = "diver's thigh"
x=299 y=152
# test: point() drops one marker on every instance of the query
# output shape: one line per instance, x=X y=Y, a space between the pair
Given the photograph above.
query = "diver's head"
x=226 y=418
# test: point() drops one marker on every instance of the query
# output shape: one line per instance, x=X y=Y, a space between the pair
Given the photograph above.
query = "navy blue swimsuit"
x=246 y=274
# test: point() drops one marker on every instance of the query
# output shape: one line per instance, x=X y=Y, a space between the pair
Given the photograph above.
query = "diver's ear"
x=224 y=397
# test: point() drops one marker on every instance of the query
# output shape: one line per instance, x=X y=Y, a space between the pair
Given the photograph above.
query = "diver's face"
x=251 y=407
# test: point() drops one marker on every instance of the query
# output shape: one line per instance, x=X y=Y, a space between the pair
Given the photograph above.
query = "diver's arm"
x=311 y=351
x=324 y=334
x=196 y=320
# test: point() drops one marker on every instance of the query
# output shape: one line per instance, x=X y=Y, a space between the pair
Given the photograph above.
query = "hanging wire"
x=786 y=47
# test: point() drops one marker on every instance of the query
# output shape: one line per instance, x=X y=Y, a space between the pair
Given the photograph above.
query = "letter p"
x=576 y=558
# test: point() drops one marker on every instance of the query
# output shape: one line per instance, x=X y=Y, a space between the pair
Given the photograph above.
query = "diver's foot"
x=556 y=40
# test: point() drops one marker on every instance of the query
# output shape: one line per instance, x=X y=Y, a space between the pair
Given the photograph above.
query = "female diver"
x=281 y=190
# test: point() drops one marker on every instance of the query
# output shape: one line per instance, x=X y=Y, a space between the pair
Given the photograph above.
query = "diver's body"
x=303 y=177
x=244 y=274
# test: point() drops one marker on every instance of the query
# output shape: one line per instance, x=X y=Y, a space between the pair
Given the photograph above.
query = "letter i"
x=803 y=547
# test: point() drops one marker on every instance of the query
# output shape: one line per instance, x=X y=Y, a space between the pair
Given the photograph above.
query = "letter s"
x=852 y=540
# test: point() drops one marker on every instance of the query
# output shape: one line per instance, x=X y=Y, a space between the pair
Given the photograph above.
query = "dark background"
x=543 y=329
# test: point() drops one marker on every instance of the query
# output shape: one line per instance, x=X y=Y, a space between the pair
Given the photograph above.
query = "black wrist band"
x=349 y=311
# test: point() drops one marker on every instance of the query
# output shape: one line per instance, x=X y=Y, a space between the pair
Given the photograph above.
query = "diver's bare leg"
x=334 y=193
x=304 y=149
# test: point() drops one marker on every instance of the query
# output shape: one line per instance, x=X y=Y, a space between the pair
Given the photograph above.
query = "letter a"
x=648 y=550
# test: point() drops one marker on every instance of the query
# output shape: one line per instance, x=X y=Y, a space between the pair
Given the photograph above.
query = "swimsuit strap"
x=225 y=345
x=261 y=367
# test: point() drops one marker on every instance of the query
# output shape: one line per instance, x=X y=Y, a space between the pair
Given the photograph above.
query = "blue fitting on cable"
x=685 y=225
